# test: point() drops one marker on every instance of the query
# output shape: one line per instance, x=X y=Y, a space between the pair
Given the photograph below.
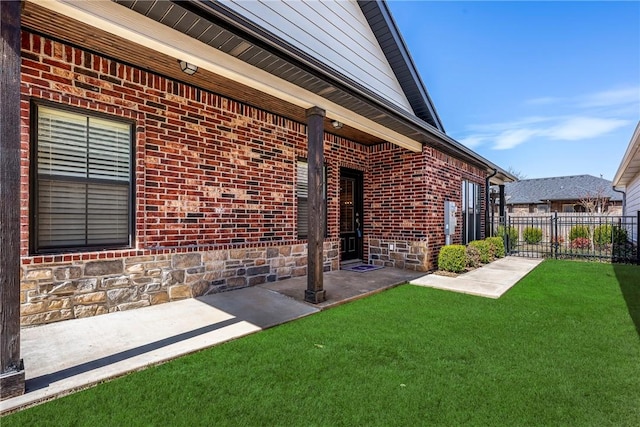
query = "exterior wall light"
x=187 y=68
x=336 y=124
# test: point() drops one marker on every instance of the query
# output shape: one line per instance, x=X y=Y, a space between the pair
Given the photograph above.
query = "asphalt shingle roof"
x=558 y=188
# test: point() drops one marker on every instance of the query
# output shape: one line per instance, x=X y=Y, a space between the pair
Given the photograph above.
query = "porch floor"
x=63 y=357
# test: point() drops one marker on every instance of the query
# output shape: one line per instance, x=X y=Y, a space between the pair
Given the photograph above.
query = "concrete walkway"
x=63 y=357
x=491 y=280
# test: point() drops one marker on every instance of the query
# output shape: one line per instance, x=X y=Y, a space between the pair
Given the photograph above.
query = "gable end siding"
x=335 y=33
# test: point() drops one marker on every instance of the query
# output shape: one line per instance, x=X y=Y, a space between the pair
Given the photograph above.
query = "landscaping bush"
x=580 y=243
x=473 y=256
x=606 y=234
x=452 y=258
x=532 y=235
x=578 y=231
x=484 y=249
x=497 y=246
x=620 y=236
x=503 y=231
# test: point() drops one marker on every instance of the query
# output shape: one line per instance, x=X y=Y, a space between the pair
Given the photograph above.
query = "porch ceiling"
x=59 y=26
x=153 y=35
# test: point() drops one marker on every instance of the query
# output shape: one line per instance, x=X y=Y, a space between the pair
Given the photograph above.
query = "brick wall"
x=215 y=188
x=407 y=195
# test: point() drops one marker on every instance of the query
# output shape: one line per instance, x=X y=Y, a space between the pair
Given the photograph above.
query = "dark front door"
x=350 y=214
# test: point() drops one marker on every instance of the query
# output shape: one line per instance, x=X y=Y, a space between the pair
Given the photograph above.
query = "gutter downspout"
x=624 y=199
x=487 y=202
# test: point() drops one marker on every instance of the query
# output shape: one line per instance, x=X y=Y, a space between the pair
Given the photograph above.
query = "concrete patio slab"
x=490 y=281
x=342 y=286
x=62 y=357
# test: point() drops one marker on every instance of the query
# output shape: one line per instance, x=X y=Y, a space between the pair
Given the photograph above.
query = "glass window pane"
x=62 y=143
x=61 y=214
x=83 y=180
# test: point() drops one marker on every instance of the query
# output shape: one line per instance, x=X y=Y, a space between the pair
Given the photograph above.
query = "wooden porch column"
x=11 y=368
x=315 y=140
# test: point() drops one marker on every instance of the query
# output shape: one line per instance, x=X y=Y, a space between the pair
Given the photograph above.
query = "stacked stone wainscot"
x=74 y=289
x=400 y=253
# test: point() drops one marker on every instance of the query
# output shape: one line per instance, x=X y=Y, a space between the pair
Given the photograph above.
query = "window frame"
x=543 y=208
x=471 y=212
x=34 y=180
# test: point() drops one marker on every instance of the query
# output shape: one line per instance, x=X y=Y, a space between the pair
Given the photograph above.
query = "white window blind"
x=84 y=179
x=302 y=193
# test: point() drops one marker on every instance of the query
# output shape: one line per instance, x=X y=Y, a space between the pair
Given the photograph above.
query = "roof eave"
x=631 y=156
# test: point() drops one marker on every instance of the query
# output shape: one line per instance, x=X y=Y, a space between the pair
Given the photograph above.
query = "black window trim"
x=34 y=249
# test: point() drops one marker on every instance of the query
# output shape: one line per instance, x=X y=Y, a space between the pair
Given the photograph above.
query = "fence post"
x=638 y=238
x=555 y=240
x=505 y=223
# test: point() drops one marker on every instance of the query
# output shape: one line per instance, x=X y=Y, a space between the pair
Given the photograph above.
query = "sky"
x=540 y=88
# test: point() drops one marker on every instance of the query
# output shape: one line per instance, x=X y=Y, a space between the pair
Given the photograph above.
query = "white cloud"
x=545 y=100
x=576 y=128
x=605 y=98
x=473 y=141
x=513 y=137
x=591 y=116
x=614 y=97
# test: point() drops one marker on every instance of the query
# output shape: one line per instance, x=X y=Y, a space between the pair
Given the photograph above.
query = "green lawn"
x=561 y=348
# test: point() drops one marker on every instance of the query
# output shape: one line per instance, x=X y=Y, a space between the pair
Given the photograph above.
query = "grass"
x=560 y=348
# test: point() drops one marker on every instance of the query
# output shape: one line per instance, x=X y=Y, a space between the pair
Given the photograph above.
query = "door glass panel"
x=347 y=193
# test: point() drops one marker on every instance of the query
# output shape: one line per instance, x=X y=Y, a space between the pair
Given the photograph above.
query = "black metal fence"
x=575 y=235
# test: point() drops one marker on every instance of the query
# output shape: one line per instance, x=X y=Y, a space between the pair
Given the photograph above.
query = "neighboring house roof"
x=630 y=164
x=575 y=187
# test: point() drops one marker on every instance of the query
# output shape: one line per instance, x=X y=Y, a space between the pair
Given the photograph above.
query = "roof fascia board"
x=263 y=38
x=128 y=24
x=632 y=153
x=257 y=35
x=374 y=10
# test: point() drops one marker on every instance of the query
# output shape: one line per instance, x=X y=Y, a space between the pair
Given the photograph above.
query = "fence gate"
x=572 y=235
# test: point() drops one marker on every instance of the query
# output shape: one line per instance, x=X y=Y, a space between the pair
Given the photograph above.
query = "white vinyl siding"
x=633 y=203
x=334 y=32
x=83 y=178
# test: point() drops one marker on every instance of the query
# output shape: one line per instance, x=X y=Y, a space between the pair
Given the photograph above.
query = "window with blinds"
x=82 y=181
x=302 y=195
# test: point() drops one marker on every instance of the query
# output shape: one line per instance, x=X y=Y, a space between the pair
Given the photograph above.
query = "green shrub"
x=503 y=231
x=473 y=256
x=532 y=235
x=452 y=258
x=578 y=231
x=606 y=234
x=484 y=249
x=602 y=234
x=497 y=246
x=620 y=236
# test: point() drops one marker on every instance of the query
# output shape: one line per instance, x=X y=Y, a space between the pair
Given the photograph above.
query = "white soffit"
x=336 y=33
x=123 y=22
x=630 y=165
